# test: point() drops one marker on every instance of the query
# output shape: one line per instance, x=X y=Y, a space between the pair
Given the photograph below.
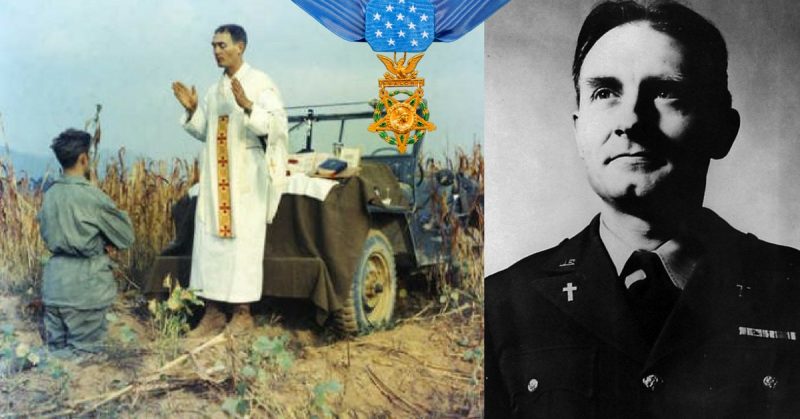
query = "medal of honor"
x=400 y=26
x=401 y=116
x=405 y=116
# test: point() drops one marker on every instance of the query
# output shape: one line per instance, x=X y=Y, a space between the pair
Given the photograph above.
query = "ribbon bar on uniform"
x=764 y=333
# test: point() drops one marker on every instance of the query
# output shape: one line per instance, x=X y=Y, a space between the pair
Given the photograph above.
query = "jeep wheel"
x=372 y=296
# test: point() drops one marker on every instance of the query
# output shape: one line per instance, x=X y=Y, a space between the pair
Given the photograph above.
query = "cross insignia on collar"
x=570 y=289
x=741 y=289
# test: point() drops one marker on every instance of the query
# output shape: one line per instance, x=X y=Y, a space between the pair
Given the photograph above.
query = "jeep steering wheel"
x=383 y=149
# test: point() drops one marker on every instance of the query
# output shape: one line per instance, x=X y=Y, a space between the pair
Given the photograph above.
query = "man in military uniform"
x=658 y=308
x=80 y=226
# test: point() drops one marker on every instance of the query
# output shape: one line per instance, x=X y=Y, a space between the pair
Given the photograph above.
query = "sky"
x=536 y=188
x=59 y=59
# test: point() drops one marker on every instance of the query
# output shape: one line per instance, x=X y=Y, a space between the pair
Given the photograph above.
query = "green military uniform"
x=77 y=221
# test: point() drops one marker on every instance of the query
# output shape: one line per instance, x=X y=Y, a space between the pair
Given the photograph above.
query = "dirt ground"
x=429 y=364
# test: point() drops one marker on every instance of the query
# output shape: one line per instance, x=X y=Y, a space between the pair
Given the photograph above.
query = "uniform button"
x=651 y=381
x=533 y=385
x=770 y=382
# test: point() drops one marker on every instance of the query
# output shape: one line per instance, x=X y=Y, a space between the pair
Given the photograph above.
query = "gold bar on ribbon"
x=225 y=216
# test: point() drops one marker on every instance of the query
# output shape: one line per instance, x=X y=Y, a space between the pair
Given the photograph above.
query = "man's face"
x=227 y=53
x=637 y=128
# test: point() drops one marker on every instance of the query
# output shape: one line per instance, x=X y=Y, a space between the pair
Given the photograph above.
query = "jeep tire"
x=371 y=299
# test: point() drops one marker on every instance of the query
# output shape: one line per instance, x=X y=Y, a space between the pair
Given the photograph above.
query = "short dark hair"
x=705 y=46
x=69 y=145
x=237 y=32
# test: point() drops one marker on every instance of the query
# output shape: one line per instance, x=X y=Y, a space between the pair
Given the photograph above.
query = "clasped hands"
x=188 y=97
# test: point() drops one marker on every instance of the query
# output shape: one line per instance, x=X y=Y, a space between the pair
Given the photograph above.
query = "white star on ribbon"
x=401 y=34
x=413 y=42
x=412 y=26
x=423 y=17
x=391 y=41
x=389 y=8
x=401 y=1
x=425 y=34
x=388 y=25
x=378 y=34
x=399 y=16
x=412 y=9
x=376 y=16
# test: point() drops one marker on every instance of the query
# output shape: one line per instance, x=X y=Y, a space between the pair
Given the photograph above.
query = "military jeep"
x=344 y=253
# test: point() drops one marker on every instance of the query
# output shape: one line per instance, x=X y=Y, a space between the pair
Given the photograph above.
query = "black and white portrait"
x=642 y=160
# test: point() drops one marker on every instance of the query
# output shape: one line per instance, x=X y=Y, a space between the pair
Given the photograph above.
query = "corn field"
x=21 y=245
x=148 y=189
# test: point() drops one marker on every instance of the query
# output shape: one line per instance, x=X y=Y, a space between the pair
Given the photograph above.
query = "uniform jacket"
x=77 y=221
x=728 y=349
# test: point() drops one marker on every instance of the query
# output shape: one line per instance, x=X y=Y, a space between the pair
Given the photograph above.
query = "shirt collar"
x=72 y=179
x=676 y=254
x=238 y=74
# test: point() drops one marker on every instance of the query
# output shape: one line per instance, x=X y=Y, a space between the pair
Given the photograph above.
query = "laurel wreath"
x=381 y=108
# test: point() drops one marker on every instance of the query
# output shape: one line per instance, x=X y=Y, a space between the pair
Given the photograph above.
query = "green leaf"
x=23 y=349
x=242 y=407
x=454 y=296
x=284 y=360
x=57 y=371
x=111 y=317
x=230 y=406
x=235 y=407
x=241 y=388
x=248 y=371
x=321 y=391
x=127 y=335
x=262 y=376
x=262 y=345
x=332 y=386
x=8 y=329
x=33 y=358
x=475 y=354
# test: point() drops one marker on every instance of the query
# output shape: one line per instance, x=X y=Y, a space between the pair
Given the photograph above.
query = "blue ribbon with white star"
x=400 y=25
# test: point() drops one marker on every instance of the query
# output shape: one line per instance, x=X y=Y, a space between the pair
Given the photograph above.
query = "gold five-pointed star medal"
x=406 y=119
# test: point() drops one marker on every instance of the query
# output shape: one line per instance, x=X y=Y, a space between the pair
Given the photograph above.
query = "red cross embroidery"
x=222 y=161
x=225 y=231
x=224 y=207
x=223 y=184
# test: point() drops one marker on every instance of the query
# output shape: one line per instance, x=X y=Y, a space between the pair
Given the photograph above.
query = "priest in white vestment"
x=242 y=175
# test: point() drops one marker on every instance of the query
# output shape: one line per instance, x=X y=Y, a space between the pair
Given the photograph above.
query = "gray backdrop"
x=536 y=189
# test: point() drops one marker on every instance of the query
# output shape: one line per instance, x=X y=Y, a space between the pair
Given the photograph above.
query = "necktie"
x=651 y=293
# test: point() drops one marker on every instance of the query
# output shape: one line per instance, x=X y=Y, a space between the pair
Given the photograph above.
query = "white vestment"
x=230 y=268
